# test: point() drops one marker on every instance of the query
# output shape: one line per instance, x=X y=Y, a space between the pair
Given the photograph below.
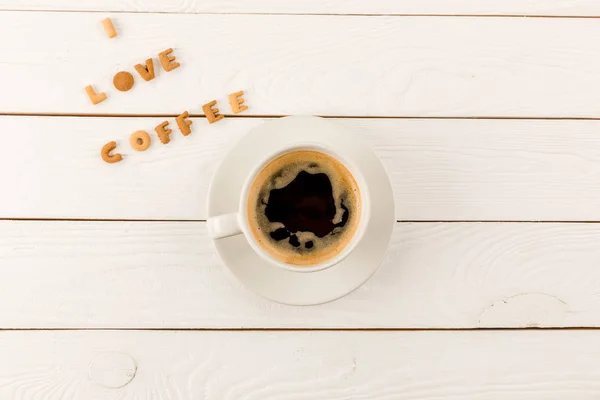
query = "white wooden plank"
x=535 y=365
x=351 y=7
x=168 y=275
x=321 y=65
x=440 y=169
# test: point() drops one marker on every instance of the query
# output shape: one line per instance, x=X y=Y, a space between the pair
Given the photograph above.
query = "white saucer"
x=278 y=284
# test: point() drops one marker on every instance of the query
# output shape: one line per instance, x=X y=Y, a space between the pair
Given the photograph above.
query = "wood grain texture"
x=168 y=275
x=351 y=7
x=535 y=365
x=440 y=169
x=319 y=65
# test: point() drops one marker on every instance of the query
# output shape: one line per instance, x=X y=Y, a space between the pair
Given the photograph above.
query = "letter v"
x=147 y=72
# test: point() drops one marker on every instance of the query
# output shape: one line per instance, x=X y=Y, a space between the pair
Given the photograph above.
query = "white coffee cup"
x=236 y=223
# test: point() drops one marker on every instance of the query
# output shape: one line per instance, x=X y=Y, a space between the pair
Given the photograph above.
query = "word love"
x=140 y=140
x=123 y=80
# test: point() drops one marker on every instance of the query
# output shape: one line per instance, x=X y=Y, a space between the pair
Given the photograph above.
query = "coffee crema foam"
x=298 y=190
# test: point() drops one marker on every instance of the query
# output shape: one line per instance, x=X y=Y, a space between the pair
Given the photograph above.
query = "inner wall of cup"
x=364 y=209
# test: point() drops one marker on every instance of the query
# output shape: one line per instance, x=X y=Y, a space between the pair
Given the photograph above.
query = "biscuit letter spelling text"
x=163 y=132
x=109 y=28
x=183 y=124
x=105 y=153
x=147 y=72
x=94 y=97
x=236 y=101
x=212 y=114
x=139 y=140
x=123 y=81
x=167 y=61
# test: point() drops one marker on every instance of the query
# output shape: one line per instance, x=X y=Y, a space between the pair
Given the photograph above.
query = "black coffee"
x=306 y=204
x=304 y=207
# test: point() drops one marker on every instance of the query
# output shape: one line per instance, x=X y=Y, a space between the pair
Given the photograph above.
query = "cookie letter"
x=147 y=72
x=212 y=115
x=163 y=132
x=105 y=153
x=123 y=81
x=109 y=29
x=167 y=61
x=235 y=101
x=183 y=124
x=94 y=97
x=139 y=140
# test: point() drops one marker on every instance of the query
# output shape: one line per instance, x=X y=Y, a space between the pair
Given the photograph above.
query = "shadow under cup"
x=305 y=208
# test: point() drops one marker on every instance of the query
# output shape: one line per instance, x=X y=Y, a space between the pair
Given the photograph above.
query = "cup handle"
x=223 y=226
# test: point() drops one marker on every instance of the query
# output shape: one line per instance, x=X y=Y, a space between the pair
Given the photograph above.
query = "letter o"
x=139 y=140
x=123 y=81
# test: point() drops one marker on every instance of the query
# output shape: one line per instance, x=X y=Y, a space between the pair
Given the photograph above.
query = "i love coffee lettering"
x=123 y=81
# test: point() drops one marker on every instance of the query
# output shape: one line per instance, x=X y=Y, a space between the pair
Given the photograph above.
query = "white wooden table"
x=487 y=121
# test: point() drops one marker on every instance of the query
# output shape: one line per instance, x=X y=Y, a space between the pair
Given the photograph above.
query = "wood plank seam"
x=299 y=329
x=261 y=116
x=421 y=221
x=403 y=15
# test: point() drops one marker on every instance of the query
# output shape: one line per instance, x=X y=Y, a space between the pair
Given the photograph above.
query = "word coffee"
x=140 y=140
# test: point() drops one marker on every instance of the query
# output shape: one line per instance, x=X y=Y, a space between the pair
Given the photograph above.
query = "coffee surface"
x=304 y=207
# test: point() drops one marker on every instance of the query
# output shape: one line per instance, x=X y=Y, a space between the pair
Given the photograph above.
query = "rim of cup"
x=364 y=201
